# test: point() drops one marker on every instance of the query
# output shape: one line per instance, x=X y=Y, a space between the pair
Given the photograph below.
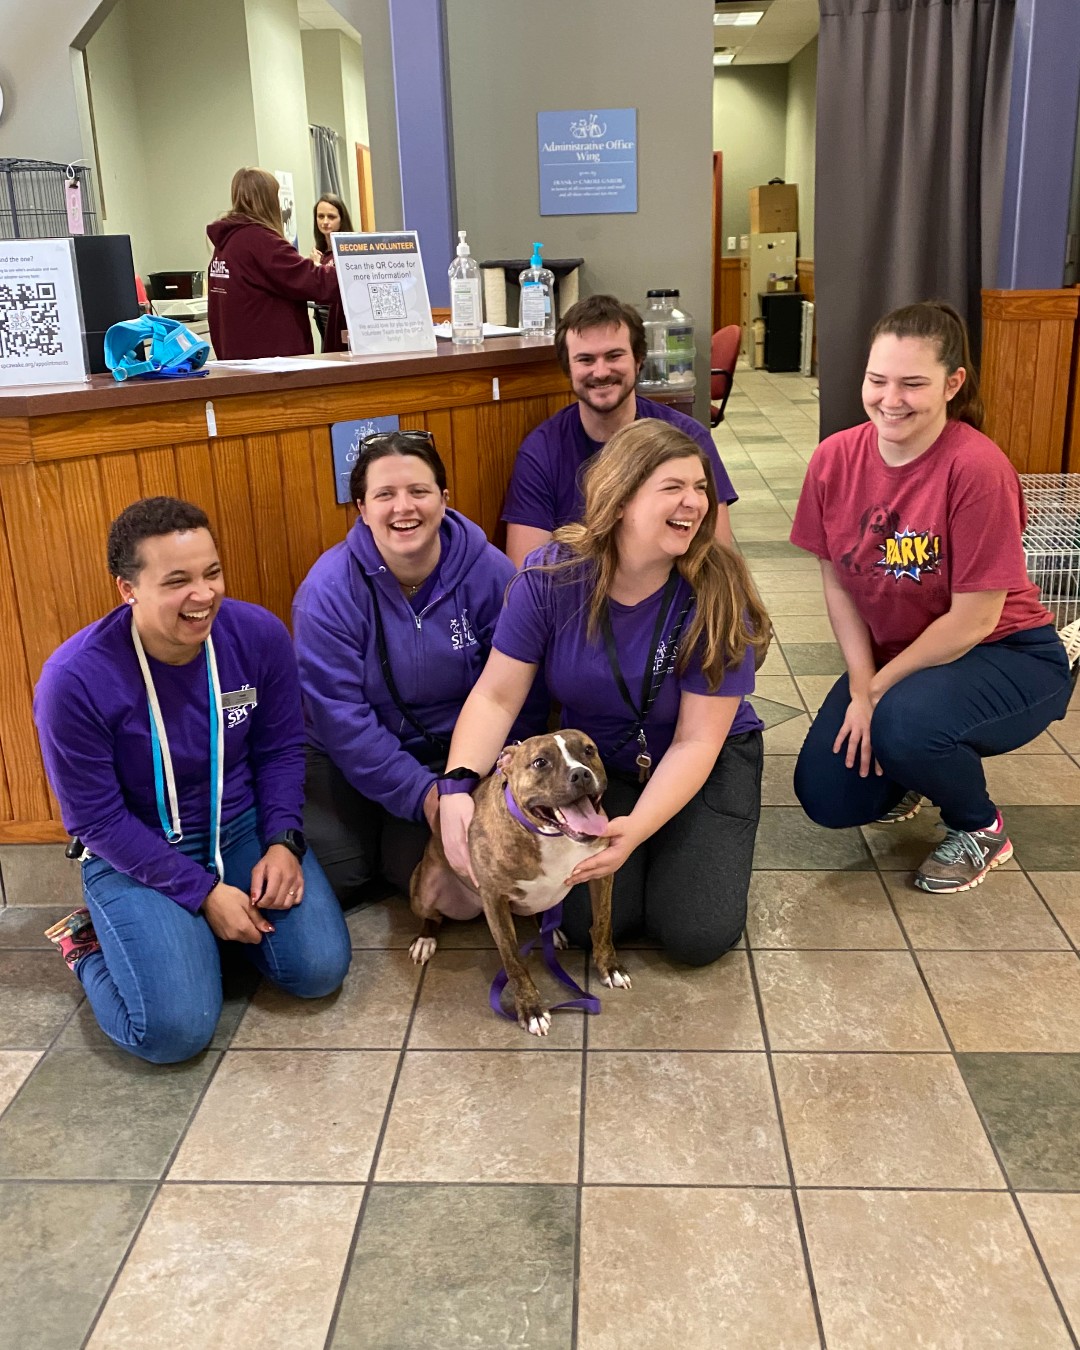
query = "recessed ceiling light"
x=723 y=59
x=745 y=18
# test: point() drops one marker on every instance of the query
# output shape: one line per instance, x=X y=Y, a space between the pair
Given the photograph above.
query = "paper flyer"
x=41 y=331
x=383 y=292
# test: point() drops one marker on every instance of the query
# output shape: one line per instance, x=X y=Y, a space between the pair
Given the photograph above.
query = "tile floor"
x=860 y=1129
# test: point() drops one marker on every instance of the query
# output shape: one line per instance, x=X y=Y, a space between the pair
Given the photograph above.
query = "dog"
x=537 y=816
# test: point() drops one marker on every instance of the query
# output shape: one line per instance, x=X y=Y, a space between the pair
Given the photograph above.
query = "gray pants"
x=356 y=840
x=686 y=887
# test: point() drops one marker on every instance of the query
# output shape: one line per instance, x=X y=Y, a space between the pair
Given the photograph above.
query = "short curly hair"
x=146 y=519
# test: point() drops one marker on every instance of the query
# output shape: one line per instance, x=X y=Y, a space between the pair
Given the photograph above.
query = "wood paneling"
x=1028 y=360
x=729 y=292
x=267 y=483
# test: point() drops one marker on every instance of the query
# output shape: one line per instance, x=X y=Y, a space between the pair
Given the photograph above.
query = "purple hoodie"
x=94 y=725
x=436 y=657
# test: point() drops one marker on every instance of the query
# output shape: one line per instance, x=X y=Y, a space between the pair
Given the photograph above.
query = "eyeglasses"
x=422 y=437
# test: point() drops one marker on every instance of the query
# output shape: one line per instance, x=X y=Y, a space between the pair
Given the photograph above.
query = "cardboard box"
x=780 y=284
x=774 y=209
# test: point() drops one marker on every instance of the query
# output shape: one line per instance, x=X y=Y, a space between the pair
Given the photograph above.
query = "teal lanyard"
x=168 y=806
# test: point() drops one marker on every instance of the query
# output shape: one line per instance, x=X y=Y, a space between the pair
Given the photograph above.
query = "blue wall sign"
x=345 y=437
x=588 y=162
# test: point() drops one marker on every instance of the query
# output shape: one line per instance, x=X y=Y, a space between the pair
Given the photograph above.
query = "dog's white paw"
x=560 y=940
x=539 y=1026
x=423 y=949
x=618 y=979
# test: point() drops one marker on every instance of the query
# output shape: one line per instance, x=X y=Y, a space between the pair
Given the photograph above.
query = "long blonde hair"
x=255 y=197
x=729 y=617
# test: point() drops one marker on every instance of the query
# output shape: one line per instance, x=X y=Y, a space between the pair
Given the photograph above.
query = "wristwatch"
x=293 y=840
x=457 y=780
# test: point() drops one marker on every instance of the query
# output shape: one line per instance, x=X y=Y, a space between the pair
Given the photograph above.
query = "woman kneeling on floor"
x=178 y=761
x=917 y=519
x=646 y=629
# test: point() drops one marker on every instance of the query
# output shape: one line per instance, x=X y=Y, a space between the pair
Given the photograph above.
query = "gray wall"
x=594 y=54
x=41 y=113
x=799 y=140
x=750 y=127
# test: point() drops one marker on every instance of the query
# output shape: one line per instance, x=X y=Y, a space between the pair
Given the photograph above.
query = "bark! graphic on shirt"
x=910 y=553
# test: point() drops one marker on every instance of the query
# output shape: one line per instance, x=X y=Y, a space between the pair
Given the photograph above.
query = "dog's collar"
x=520 y=816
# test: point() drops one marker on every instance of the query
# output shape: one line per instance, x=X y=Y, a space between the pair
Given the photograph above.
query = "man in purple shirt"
x=601 y=345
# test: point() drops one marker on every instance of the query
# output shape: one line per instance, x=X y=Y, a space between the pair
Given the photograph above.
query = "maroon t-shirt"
x=905 y=539
x=259 y=287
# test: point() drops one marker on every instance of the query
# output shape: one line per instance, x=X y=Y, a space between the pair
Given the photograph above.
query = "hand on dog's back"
x=455 y=817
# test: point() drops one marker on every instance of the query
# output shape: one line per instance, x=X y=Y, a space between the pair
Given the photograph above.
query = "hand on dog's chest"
x=558 y=858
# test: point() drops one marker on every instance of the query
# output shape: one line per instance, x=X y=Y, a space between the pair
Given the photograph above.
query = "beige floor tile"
x=882 y=1120
x=845 y=1001
x=213 y=1263
x=777 y=787
x=775 y=665
x=1055 y=1221
x=681 y=1007
x=776 y=525
x=453 y=1012
x=1067 y=732
x=1002 y=914
x=303 y=1115
x=774 y=584
x=1033 y=780
x=369 y=1012
x=942 y=1271
x=1007 y=1001
x=1061 y=891
x=779 y=688
x=1043 y=744
x=756 y=499
x=681 y=1119
x=802 y=627
x=804 y=910
x=814 y=689
x=15 y=1066
x=484 y=1115
x=797 y=605
x=388 y=923
x=786 y=738
x=696 y=1269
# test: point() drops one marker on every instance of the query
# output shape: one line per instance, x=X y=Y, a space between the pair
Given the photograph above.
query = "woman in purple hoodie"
x=391 y=629
x=259 y=284
x=173 y=738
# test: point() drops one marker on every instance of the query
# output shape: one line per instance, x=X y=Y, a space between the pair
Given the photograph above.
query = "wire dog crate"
x=1052 y=541
x=33 y=202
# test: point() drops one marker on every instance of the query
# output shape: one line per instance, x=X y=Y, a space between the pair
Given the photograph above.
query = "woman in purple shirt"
x=646 y=628
x=178 y=761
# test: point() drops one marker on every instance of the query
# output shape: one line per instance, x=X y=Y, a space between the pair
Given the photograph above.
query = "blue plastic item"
x=172 y=349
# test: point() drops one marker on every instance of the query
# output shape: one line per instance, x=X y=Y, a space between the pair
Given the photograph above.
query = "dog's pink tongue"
x=584 y=818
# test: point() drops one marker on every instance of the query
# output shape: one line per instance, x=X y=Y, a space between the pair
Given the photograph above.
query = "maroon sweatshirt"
x=259 y=286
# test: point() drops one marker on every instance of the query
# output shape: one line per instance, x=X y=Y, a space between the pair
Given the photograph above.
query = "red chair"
x=725 y=352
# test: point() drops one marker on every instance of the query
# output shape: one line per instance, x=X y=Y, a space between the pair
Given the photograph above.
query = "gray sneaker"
x=963 y=858
x=909 y=805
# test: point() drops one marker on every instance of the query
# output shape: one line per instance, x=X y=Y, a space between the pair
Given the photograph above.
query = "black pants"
x=686 y=887
x=356 y=840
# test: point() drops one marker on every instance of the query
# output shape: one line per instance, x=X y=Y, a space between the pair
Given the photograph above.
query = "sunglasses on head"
x=377 y=437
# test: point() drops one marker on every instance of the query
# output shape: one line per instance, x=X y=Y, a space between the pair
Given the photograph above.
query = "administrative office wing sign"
x=383 y=291
x=588 y=162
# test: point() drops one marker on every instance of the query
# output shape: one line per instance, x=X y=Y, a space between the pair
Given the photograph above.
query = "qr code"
x=29 y=320
x=387 y=300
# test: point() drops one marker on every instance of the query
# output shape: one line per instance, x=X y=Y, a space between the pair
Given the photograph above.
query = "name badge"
x=240 y=698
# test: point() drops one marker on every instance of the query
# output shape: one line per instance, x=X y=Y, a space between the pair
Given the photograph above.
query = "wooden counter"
x=73 y=456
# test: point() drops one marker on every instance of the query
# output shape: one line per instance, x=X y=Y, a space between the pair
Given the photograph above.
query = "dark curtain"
x=324 y=159
x=912 y=123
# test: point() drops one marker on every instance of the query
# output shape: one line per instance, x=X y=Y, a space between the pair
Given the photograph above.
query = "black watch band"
x=293 y=840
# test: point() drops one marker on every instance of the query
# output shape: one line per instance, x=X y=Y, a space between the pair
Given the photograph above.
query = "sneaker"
x=909 y=805
x=963 y=858
x=74 y=936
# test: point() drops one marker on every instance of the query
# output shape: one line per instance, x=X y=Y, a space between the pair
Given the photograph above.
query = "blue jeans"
x=931 y=732
x=155 y=986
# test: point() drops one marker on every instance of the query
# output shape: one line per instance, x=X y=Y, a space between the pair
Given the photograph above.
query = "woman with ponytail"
x=916 y=518
x=646 y=629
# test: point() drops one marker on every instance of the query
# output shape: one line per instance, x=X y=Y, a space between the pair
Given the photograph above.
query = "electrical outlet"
x=731 y=243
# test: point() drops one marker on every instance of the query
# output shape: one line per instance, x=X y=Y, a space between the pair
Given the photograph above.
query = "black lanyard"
x=652 y=678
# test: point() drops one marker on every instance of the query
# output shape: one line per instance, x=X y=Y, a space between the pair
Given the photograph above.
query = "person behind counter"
x=259 y=284
x=330 y=215
x=173 y=738
x=391 y=629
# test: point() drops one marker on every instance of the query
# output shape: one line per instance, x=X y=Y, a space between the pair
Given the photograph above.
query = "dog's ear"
x=506 y=755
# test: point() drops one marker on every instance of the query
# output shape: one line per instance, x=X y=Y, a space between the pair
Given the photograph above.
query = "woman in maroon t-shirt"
x=916 y=518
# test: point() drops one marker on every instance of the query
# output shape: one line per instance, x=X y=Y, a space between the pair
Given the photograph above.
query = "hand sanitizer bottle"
x=466 y=308
x=537 y=315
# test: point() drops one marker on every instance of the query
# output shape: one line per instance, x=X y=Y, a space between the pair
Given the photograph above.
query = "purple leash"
x=552 y=918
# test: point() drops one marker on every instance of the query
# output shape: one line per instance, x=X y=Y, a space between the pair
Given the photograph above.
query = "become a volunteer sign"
x=383 y=291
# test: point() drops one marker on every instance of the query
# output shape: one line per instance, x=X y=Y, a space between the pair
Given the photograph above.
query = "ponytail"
x=938 y=322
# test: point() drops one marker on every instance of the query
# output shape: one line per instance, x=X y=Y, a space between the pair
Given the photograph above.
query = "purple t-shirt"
x=94 y=724
x=544 y=622
x=545 y=485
